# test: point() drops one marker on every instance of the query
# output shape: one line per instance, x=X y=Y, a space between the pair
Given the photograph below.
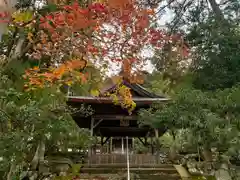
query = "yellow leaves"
x=122 y=96
x=69 y=82
x=125 y=93
x=30 y=36
x=94 y=92
x=115 y=99
x=22 y=17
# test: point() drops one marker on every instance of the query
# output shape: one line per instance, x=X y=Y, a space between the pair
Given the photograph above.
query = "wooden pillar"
x=122 y=145
x=91 y=136
x=111 y=148
x=101 y=149
x=157 y=145
x=133 y=144
x=152 y=148
x=93 y=148
x=108 y=145
x=95 y=145
x=92 y=128
x=127 y=151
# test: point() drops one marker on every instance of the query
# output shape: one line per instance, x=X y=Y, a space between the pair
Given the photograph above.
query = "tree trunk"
x=216 y=10
x=11 y=171
x=172 y=153
x=39 y=155
x=34 y=162
x=42 y=150
x=18 y=49
x=207 y=154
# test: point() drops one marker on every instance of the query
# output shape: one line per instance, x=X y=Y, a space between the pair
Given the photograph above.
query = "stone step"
x=105 y=170
x=135 y=176
x=124 y=165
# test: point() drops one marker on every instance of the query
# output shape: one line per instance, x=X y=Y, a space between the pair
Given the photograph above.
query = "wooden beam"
x=123 y=131
x=110 y=101
x=115 y=117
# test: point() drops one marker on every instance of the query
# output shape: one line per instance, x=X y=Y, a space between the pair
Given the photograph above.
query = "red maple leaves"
x=116 y=31
x=4 y=17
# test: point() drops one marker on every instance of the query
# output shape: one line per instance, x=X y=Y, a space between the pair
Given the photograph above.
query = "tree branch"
x=216 y=10
x=13 y=41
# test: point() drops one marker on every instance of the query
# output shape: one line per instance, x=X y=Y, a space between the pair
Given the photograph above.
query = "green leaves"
x=217 y=55
x=211 y=118
x=27 y=117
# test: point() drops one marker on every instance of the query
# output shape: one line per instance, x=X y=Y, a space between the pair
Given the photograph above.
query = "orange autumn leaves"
x=79 y=30
x=132 y=77
x=70 y=17
x=64 y=37
x=64 y=74
x=119 y=3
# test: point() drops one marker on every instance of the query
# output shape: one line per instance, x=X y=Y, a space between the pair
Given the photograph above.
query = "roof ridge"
x=135 y=87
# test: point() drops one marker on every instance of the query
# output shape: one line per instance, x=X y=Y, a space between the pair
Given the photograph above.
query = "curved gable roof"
x=138 y=89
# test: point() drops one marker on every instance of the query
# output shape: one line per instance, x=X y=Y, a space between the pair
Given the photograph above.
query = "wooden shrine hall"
x=109 y=120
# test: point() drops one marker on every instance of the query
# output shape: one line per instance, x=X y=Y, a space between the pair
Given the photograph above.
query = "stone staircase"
x=151 y=172
x=141 y=167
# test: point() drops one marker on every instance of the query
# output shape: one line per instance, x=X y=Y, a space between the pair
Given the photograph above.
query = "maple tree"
x=102 y=33
x=59 y=54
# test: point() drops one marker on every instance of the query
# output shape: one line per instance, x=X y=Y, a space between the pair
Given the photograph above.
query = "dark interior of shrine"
x=112 y=120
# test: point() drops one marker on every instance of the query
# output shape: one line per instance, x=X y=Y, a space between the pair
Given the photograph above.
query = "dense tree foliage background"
x=205 y=88
x=196 y=62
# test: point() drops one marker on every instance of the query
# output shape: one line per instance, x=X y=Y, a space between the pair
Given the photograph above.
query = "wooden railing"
x=134 y=159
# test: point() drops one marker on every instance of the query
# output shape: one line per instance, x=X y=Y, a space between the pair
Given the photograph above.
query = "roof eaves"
x=109 y=100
